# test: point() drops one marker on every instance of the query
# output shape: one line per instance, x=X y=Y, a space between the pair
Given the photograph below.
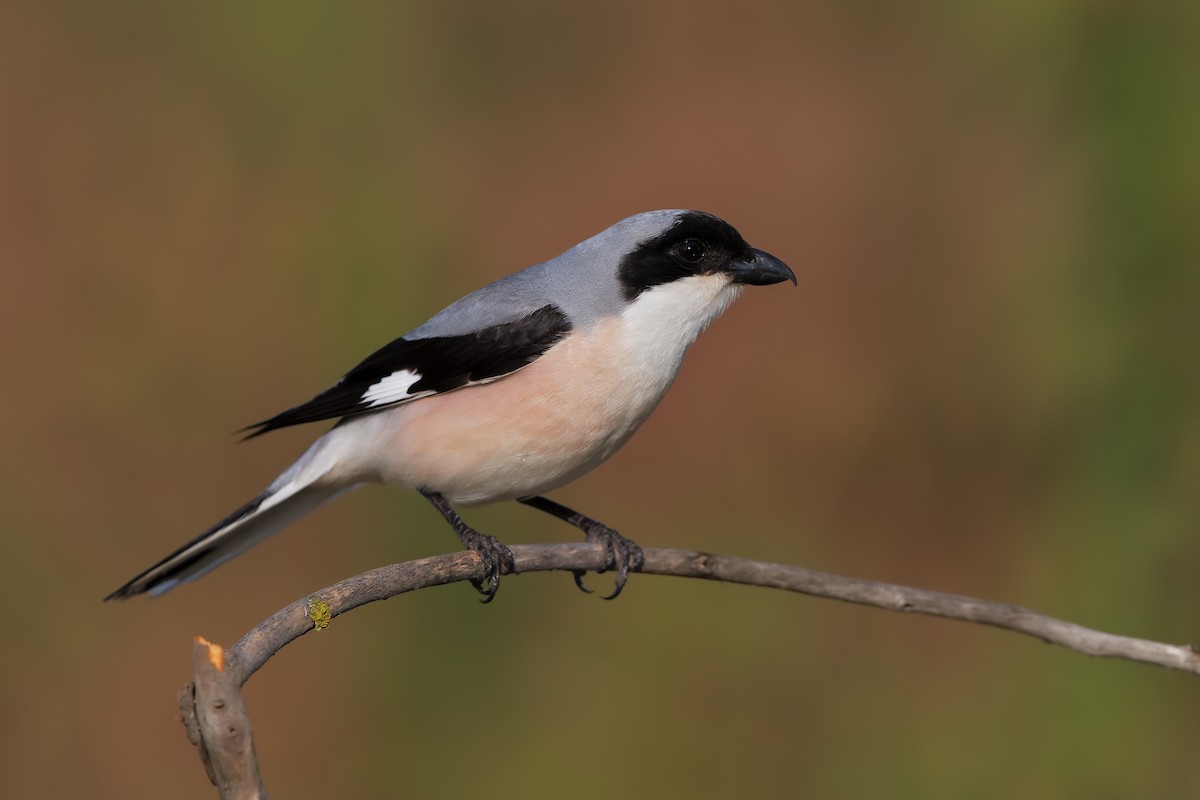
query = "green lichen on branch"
x=319 y=613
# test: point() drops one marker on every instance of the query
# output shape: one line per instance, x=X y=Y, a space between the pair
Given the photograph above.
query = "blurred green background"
x=988 y=382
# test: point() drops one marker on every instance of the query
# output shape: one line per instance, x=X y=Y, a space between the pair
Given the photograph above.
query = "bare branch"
x=271 y=635
x=217 y=723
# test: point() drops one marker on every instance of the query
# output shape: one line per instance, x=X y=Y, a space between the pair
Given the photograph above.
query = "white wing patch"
x=391 y=389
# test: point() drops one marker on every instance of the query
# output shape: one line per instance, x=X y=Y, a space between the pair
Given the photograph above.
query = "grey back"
x=582 y=282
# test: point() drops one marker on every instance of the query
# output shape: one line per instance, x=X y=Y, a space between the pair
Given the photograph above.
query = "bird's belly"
x=527 y=433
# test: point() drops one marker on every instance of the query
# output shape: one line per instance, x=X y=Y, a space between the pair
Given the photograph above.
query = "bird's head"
x=676 y=245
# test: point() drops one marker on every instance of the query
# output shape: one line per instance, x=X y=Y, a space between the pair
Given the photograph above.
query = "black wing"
x=407 y=369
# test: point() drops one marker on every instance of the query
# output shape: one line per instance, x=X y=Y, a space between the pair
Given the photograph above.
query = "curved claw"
x=489 y=590
x=578 y=574
x=627 y=555
x=497 y=560
x=624 y=555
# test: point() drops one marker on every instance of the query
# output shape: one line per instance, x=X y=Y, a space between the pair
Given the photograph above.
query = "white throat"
x=663 y=322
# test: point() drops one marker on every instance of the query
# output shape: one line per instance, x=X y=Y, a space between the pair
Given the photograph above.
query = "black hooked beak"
x=761 y=269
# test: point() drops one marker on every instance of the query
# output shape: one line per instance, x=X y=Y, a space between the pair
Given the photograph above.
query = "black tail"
x=241 y=530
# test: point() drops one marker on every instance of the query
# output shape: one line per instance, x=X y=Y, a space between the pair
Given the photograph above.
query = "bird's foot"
x=624 y=555
x=497 y=560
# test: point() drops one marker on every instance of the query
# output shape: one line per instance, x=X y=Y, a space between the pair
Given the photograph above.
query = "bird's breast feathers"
x=548 y=423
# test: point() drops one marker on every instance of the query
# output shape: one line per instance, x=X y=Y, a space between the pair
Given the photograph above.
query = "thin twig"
x=274 y=633
x=216 y=721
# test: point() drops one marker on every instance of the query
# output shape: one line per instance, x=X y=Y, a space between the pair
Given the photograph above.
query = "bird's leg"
x=623 y=554
x=497 y=558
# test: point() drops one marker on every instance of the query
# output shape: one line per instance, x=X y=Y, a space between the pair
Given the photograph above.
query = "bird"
x=515 y=390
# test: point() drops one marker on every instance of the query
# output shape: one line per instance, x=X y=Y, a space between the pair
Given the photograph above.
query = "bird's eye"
x=691 y=251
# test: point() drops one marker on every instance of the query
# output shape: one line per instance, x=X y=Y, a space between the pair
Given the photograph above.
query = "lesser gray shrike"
x=511 y=392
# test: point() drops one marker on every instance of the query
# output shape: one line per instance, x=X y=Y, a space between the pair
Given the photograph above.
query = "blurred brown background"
x=986 y=383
